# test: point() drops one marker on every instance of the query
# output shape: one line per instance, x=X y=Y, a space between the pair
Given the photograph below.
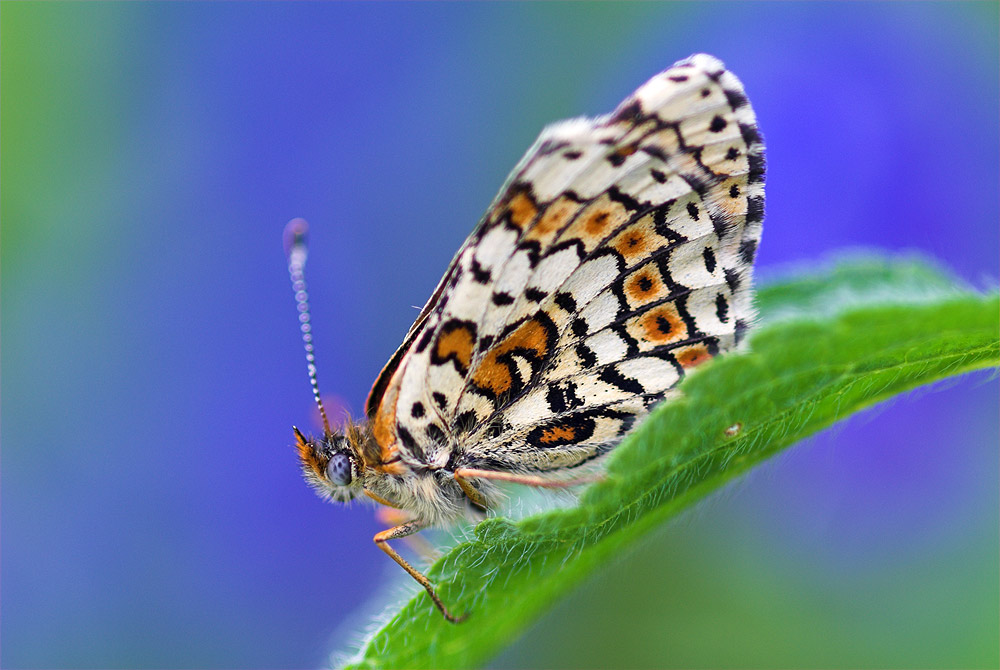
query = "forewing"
x=618 y=255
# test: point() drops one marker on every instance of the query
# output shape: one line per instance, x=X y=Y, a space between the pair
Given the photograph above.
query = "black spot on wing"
x=755 y=209
x=425 y=339
x=480 y=274
x=612 y=376
x=757 y=167
x=751 y=136
x=732 y=279
x=535 y=295
x=709 y=256
x=748 y=249
x=630 y=113
x=661 y=223
x=619 y=196
x=411 y=444
x=532 y=249
x=562 y=397
x=722 y=308
x=587 y=357
x=735 y=99
x=500 y=298
x=566 y=302
x=741 y=329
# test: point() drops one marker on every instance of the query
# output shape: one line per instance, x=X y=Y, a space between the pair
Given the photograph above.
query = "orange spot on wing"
x=638 y=240
x=645 y=286
x=730 y=196
x=553 y=219
x=692 y=355
x=597 y=220
x=531 y=339
x=522 y=209
x=662 y=325
x=631 y=244
x=558 y=434
x=626 y=151
x=456 y=344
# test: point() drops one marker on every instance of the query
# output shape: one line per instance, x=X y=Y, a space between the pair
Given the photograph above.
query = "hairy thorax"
x=429 y=491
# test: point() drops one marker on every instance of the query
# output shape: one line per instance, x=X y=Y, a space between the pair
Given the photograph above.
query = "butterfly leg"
x=463 y=474
x=470 y=491
x=382 y=540
x=391 y=516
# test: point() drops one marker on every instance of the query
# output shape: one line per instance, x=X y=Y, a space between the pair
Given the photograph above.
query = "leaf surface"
x=828 y=345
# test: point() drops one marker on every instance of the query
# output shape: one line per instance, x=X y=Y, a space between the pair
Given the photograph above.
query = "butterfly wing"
x=617 y=256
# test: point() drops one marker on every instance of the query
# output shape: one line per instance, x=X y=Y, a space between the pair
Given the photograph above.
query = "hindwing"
x=617 y=256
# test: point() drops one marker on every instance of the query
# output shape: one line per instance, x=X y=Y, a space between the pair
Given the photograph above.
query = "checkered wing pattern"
x=618 y=255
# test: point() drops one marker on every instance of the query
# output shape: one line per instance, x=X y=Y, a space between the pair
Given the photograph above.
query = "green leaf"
x=829 y=345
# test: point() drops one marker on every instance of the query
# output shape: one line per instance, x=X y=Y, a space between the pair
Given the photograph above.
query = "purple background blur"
x=152 y=510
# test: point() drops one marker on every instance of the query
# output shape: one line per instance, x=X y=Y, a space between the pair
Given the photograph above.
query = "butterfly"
x=617 y=256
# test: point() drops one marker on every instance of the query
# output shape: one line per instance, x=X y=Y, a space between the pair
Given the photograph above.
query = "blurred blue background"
x=152 y=510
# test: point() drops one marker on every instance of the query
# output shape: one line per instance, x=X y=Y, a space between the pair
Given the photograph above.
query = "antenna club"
x=295 y=237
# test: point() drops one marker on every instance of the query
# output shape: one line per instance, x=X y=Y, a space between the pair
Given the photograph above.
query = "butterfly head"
x=331 y=464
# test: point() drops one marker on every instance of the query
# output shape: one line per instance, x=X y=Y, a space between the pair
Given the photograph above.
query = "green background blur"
x=152 y=510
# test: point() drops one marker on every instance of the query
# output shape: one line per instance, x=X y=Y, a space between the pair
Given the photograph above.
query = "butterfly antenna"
x=296 y=250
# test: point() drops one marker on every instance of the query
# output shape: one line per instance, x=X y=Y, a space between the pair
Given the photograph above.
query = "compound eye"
x=338 y=470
